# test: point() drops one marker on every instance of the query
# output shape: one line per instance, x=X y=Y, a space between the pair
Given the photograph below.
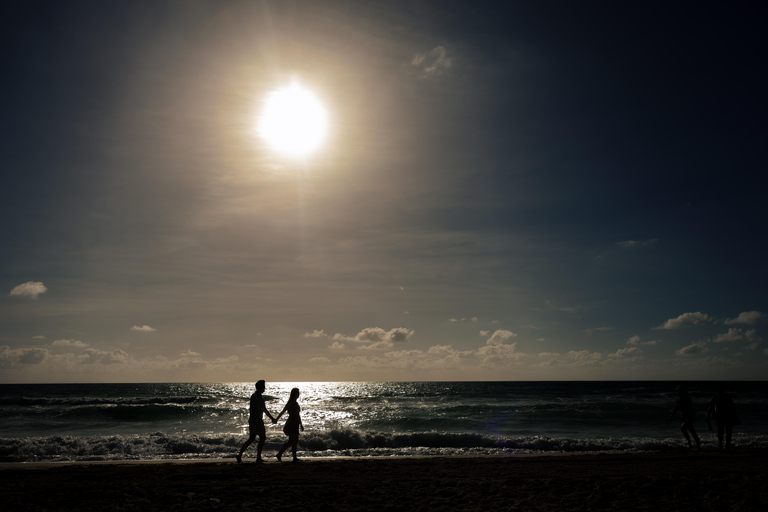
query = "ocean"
x=85 y=422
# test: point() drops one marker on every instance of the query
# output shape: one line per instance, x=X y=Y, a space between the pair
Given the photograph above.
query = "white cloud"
x=635 y=340
x=735 y=334
x=485 y=333
x=15 y=358
x=336 y=346
x=747 y=317
x=143 y=328
x=584 y=357
x=190 y=353
x=319 y=360
x=500 y=336
x=32 y=289
x=378 y=337
x=627 y=353
x=404 y=353
x=316 y=334
x=693 y=349
x=630 y=244
x=496 y=351
x=95 y=356
x=38 y=337
x=432 y=62
x=440 y=350
x=686 y=320
x=69 y=343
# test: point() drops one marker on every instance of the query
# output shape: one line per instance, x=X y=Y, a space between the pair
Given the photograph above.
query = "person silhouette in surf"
x=685 y=406
x=722 y=410
x=256 y=422
x=292 y=426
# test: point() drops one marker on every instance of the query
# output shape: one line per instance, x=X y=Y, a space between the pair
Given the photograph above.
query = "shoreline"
x=733 y=480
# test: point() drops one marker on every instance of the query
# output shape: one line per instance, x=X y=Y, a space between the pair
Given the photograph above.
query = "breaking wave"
x=331 y=443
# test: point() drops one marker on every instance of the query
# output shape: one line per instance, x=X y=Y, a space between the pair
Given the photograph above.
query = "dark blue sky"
x=508 y=190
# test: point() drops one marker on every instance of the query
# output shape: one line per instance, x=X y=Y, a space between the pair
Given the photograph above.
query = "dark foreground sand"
x=660 y=482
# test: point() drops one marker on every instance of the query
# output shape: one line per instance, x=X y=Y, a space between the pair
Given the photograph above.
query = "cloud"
x=686 y=320
x=693 y=349
x=496 y=351
x=584 y=357
x=635 y=340
x=336 y=346
x=500 y=336
x=38 y=337
x=95 y=356
x=319 y=360
x=432 y=62
x=190 y=353
x=747 y=317
x=316 y=334
x=15 y=358
x=630 y=353
x=405 y=353
x=32 y=289
x=69 y=343
x=630 y=244
x=734 y=334
x=143 y=328
x=485 y=333
x=378 y=337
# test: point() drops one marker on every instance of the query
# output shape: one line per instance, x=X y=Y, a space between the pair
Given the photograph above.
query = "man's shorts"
x=257 y=428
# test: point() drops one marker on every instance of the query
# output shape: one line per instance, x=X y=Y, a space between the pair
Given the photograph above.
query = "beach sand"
x=732 y=481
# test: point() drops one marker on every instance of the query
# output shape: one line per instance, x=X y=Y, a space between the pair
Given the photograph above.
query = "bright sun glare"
x=293 y=121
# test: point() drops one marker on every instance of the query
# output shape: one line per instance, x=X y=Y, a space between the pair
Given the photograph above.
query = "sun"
x=293 y=121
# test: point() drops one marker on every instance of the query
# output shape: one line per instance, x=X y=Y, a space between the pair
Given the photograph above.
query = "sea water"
x=47 y=422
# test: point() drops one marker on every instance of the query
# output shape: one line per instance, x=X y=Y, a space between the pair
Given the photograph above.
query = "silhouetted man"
x=256 y=422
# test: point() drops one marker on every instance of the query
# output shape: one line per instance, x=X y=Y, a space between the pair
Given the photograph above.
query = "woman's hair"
x=294 y=394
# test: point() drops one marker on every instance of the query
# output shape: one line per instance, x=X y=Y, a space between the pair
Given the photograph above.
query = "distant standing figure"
x=685 y=406
x=256 y=422
x=292 y=426
x=722 y=410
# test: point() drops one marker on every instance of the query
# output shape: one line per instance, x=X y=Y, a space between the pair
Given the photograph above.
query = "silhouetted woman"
x=722 y=410
x=685 y=406
x=292 y=426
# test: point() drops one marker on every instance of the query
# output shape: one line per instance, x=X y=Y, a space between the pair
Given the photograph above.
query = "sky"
x=506 y=191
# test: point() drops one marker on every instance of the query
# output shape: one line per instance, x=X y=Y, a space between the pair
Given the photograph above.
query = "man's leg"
x=245 y=446
x=262 y=440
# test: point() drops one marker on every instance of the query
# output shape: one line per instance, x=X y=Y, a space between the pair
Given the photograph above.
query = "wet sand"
x=731 y=481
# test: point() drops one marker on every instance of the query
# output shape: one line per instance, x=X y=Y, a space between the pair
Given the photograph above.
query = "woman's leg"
x=294 y=445
x=282 y=450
